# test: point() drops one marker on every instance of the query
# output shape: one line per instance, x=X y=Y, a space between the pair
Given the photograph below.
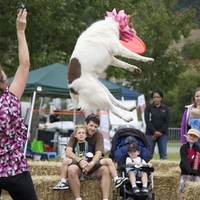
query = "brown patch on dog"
x=73 y=91
x=74 y=70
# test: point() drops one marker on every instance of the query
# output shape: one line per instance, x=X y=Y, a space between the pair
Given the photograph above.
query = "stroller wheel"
x=130 y=198
x=151 y=197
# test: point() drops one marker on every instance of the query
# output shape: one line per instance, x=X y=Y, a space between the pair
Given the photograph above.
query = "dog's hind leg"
x=115 y=101
x=120 y=115
x=74 y=104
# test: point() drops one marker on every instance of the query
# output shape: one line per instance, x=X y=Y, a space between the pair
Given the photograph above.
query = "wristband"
x=80 y=161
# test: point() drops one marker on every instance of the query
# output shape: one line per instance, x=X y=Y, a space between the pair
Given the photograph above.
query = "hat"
x=193 y=132
x=130 y=140
x=133 y=147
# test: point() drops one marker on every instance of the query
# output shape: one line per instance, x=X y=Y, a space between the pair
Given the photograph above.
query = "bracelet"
x=80 y=161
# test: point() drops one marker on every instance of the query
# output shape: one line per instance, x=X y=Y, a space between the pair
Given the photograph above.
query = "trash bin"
x=62 y=143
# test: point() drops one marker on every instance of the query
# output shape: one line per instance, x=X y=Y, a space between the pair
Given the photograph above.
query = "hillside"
x=194 y=36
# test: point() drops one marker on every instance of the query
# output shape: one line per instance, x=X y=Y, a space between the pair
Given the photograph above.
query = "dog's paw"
x=137 y=70
x=134 y=69
x=129 y=119
x=132 y=108
x=150 y=60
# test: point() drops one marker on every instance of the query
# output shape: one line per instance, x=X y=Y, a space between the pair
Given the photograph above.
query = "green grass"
x=178 y=145
x=170 y=156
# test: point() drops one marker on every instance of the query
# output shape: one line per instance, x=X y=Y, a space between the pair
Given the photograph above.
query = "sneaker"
x=144 y=189
x=121 y=181
x=61 y=186
x=135 y=190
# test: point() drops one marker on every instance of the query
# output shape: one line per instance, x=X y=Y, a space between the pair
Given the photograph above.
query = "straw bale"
x=41 y=168
x=174 y=170
x=5 y=195
x=46 y=175
x=192 y=191
x=164 y=165
x=90 y=189
x=43 y=186
x=166 y=185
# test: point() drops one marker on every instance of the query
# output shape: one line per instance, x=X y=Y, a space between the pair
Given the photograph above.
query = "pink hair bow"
x=126 y=33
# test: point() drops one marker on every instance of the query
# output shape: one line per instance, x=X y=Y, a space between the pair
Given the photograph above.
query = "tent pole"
x=124 y=111
x=29 y=123
x=74 y=116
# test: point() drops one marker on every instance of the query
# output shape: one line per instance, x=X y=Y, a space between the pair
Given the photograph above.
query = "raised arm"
x=19 y=82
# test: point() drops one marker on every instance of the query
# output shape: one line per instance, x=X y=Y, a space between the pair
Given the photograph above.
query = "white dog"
x=95 y=50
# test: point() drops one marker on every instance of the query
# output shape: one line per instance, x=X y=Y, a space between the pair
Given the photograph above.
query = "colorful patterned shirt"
x=13 y=135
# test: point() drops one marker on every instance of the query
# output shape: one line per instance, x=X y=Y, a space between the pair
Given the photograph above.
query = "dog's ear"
x=130 y=17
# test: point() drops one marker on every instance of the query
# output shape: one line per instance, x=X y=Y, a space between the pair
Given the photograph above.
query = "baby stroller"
x=122 y=138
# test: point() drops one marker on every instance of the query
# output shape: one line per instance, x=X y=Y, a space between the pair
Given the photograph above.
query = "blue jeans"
x=162 y=145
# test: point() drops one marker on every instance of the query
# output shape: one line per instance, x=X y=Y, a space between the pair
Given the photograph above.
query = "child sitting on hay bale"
x=190 y=158
x=84 y=150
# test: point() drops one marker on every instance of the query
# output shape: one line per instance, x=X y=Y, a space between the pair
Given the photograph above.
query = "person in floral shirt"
x=14 y=174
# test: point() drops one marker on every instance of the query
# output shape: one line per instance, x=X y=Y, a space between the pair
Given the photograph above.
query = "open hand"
x=21 y=20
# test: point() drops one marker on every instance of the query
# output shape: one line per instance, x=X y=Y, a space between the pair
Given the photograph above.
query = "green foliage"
x=185 y=4
x=191 y=51
x=181 y=95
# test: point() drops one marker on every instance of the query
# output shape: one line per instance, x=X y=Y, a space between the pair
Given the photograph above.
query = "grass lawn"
x=178 y=145
x=170 y=155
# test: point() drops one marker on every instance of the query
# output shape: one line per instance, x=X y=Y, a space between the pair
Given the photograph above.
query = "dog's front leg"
x=121 y=64
x=124 y=52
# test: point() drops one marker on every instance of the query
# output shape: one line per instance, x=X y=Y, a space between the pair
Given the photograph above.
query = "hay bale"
x=5 y=195
x=41 y=168
x=192 y=191
x=175 y=170
x=44 y=184
x=46 y=174
x=166 y=185
x=164 y=165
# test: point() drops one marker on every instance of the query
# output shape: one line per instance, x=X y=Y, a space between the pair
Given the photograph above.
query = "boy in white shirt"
x=135 y=159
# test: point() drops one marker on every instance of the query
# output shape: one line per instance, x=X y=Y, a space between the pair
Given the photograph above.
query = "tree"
x=181 y=95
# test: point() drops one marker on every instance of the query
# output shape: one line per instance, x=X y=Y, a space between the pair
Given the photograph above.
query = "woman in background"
x=157 y=117
x=189 y=119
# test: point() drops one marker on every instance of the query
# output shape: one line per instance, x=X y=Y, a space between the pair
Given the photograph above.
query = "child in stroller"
x=126 y=138
x=133 y=172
